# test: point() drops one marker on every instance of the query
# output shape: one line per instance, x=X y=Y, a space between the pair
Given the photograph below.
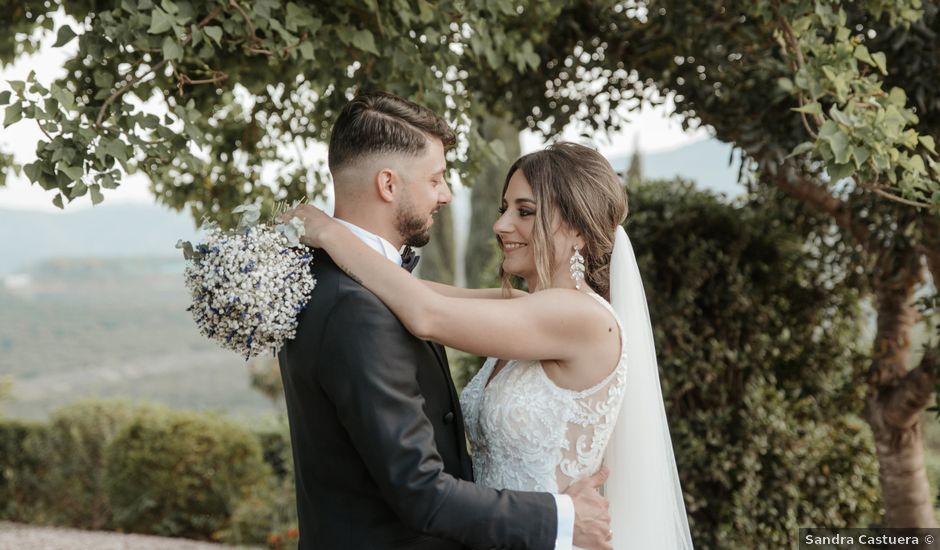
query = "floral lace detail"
x=528 y=434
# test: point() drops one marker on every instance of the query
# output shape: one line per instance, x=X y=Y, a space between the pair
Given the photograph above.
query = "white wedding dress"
x=528 y=434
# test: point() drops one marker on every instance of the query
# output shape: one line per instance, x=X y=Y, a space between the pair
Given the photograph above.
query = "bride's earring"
x=577 y=267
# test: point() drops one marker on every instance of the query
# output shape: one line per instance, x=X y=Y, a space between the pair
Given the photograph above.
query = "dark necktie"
x=409 y=259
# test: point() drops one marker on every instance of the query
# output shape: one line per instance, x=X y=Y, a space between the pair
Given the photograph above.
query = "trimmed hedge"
x=74 y=449
x=181 y=474
x=143 y=469
x=22 y=471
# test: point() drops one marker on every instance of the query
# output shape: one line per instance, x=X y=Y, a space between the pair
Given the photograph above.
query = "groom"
x=378 y=438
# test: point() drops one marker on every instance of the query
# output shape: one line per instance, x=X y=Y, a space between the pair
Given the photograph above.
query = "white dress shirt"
x=563 y=503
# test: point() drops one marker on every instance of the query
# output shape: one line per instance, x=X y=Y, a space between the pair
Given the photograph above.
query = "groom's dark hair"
x=383 y=123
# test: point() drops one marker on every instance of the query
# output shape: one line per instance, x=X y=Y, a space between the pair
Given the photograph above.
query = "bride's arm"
x=482 y=293
x=552 y=324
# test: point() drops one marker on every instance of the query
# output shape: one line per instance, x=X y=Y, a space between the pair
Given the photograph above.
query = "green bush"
x=756 y=320
x=181 y=474
x=267 y=516
x=22 y=471
x=75 y=489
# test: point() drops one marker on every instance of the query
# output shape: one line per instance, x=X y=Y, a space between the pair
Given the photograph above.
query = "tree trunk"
x=437 y=257
x=897 y=396
x=484 y=200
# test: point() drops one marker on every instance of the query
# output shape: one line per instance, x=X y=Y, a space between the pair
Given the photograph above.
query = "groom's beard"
x=414 y=227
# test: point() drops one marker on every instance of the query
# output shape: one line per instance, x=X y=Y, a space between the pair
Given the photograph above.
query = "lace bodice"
x=526 y=433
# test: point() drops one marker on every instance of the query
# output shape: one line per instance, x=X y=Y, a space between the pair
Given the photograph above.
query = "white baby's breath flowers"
x=249 y=285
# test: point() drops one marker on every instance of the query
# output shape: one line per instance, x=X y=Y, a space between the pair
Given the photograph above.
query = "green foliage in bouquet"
x=756 y=325
x=181 y=474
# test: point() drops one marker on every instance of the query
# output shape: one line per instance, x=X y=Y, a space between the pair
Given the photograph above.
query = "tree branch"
x=818 y=197
x=135 y=81
x=930 y=246
x=904 y=402
x=878 y=190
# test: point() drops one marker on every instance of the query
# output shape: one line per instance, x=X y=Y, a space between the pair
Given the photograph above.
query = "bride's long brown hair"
x=590 y=198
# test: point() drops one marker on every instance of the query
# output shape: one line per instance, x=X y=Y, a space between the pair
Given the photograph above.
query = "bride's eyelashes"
x=522 y=211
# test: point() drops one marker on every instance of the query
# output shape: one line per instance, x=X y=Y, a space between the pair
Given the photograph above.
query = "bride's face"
x=515 y=226
x=515 y=229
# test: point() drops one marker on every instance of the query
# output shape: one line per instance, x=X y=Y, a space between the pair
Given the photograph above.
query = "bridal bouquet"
x=249 y=284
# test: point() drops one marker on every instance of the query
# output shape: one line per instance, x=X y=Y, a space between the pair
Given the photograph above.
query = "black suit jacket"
x=379 y=452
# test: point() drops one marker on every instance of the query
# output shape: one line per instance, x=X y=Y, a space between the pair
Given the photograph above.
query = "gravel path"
x=15 y=536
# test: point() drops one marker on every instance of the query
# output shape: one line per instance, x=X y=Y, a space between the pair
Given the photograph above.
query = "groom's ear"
x=386 y=184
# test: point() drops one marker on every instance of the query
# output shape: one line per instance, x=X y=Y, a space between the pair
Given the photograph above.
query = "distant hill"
x=710 y=163
x=116 y=230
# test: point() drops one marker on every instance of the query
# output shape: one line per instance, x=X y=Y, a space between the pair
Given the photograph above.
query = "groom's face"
x=424 y=192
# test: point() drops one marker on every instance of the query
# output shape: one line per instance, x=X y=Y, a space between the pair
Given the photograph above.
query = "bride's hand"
x=316 y=223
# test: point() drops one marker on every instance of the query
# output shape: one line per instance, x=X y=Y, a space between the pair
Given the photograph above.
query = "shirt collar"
x=377 y=243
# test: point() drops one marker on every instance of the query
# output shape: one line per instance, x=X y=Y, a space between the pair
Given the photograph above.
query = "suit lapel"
x=466 y=465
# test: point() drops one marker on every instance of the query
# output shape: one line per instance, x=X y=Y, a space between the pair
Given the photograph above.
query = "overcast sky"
x=657 y=131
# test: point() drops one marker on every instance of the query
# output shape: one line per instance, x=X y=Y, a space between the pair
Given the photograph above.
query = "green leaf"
x=103 y=79
x=860 y=155
x=813 y=108
x=5 y=97
x=96 y=196
x=13 y=114
x=107 y=181
x=172 y=49
x=58 y=201
x=785 y=84
x=306 y=50
x=897 y=96
x=840 y=171
x=215 y=33
x=195 y=34
x=78 y=190
x=801 y=149
x=880 y=61
x=916 y=165
x=364 y=40
x=160 y=22
x=928 y=143
x=169 y=7
x=18 y=86
x=33 y=171
x=116 y=149
x=839 y=143
x=861 y=53
x=73 y=173
x=64 y=36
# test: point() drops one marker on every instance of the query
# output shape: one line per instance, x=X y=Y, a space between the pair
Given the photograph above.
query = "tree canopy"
x=247 y=88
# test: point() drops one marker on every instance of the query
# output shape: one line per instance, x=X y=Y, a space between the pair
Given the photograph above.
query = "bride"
x=572 y=381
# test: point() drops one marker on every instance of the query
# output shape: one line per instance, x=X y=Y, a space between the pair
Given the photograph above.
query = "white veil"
x=646 y=505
